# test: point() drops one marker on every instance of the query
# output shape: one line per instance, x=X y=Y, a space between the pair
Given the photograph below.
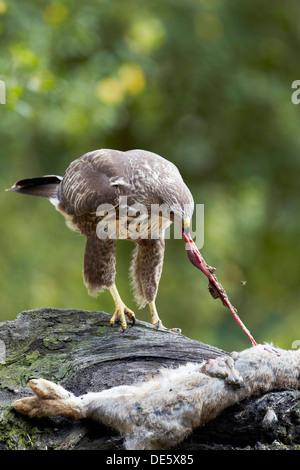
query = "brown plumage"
x=108 y=177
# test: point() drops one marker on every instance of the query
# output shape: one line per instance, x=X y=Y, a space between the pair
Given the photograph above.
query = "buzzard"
x=107 y=193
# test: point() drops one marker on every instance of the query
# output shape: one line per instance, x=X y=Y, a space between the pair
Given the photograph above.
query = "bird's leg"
x=155 y=320
x=120 y=309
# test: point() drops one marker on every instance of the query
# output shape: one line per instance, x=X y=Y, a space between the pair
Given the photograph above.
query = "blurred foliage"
x=204 y=83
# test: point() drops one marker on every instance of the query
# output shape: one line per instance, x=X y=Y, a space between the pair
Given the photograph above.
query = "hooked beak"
x=192 y=251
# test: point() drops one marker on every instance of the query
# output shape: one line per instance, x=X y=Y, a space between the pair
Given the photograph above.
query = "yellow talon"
x=155 y=320
x=120 y=309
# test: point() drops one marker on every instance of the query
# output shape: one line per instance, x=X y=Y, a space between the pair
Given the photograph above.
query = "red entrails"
x=216 y=289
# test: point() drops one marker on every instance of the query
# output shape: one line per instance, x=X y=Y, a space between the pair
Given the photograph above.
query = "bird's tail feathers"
x=43 y=186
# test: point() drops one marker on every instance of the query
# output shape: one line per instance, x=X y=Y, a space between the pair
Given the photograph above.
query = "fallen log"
x=82 y=352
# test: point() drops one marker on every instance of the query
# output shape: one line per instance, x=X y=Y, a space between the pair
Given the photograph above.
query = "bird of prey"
x=139 y=180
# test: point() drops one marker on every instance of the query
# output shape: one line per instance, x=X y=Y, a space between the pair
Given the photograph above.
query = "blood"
x=197 y=260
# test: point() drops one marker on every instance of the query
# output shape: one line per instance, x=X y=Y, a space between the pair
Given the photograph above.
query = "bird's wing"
x=92 y=180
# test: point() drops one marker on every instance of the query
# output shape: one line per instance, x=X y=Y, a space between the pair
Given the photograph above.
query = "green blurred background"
x=204 y=83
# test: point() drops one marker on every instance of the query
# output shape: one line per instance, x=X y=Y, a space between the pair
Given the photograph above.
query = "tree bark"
x=82 y=352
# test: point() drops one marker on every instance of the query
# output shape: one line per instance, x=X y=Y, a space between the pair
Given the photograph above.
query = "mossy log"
x=81 y=351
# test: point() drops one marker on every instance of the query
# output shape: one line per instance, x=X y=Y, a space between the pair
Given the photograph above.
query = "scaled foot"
x=119 y=315
x=120 y=309
x=156 y=321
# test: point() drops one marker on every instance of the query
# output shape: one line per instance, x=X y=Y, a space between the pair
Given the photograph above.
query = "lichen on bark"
x=82 y=352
